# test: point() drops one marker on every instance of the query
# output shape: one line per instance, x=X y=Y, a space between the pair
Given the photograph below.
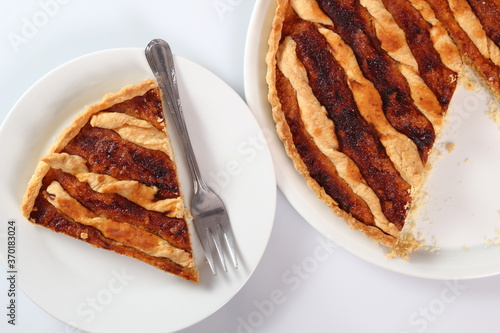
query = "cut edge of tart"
x=314 y=45
x=111 y=180
x=473 y=26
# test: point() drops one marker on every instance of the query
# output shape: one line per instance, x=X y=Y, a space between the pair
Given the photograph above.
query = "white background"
x=303 y=283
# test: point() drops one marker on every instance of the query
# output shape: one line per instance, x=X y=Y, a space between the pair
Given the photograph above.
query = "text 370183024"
x=11 y=271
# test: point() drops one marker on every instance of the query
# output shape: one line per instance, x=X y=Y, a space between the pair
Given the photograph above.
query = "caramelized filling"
x=147 y=107
x=117 y=208
x=320 y=167
x=488 y=12
x=107 y=153
x=357 y=138
x=439 y=78
x=351 y=22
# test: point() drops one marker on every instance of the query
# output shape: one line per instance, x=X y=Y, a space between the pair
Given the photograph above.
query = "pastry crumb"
x=84 y=235
x=494 y=241
x=406 y=244
x=469 y=81
x=450 y=146
x=432 y=245
x=430 y=248
x=494 y=112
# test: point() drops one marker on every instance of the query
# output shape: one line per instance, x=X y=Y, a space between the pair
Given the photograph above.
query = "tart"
x=359 y=90
x=111 y=180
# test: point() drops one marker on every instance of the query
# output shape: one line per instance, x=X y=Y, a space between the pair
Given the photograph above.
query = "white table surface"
x=342 y=293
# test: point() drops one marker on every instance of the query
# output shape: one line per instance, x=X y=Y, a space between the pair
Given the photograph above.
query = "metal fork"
x=210 y=216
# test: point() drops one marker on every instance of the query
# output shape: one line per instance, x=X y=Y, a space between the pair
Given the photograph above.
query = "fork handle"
x=161 y=61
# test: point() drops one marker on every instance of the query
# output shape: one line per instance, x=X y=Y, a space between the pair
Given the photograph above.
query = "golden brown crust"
x=110 y=180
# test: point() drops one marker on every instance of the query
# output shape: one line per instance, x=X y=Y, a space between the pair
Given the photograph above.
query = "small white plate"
x=460 y=218
x=99 y=291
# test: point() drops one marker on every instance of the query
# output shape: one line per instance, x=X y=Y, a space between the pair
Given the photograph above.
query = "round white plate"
x=100 y=291
x=460 y=218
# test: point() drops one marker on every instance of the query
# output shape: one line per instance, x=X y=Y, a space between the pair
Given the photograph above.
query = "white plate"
x=462 y=212
x=99 y=291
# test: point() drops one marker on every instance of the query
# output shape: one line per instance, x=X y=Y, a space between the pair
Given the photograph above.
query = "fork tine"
x=205 y=243
x=228 y=236
x=218 y=246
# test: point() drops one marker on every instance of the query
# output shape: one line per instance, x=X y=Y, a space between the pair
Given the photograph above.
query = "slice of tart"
x=359 y=90
x=111 y=180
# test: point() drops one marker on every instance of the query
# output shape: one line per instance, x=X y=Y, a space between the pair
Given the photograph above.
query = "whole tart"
x=111 y=180
x=359 y=90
